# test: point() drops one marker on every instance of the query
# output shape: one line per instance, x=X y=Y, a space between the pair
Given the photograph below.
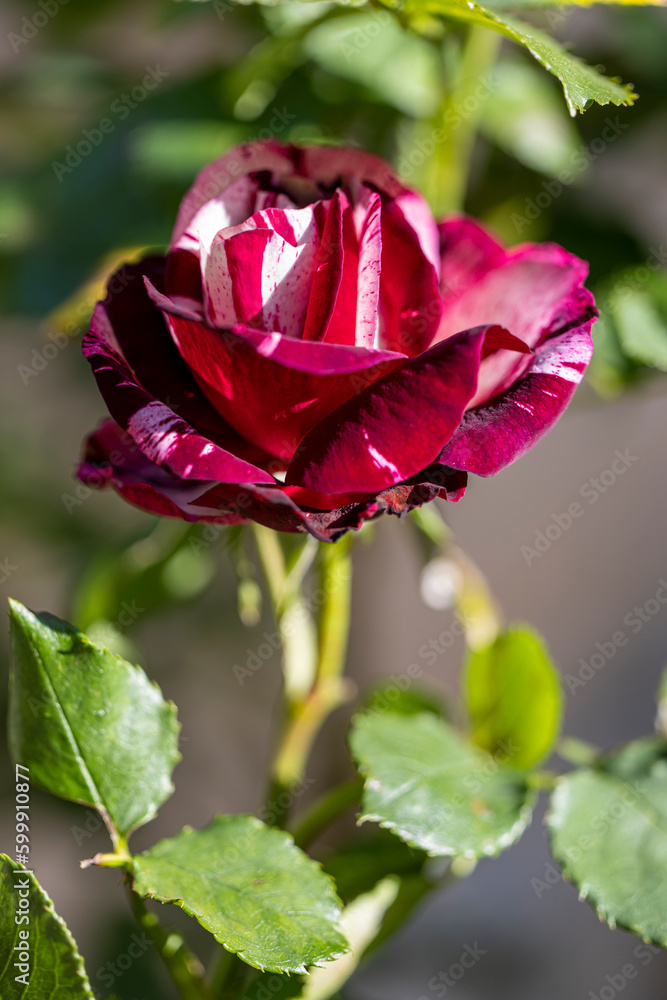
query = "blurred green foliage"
x=334 y=72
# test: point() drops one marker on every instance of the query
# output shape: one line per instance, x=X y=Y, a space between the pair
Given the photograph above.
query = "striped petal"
x=533 y=290
x=260 y=272
x=494 y=435
x=272 y=388
x=397 y=426
x=226 y=190
x=162 y=435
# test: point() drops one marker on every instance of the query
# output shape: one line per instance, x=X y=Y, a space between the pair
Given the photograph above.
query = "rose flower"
x=314 y=349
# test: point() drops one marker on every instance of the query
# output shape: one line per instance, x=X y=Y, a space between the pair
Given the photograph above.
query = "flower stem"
x=183 y=966
x=307 y=704
x=273 y=563
x=305 y=716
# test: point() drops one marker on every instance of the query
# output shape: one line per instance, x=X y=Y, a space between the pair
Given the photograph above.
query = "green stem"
x=184 y=968
x=325 y=810
x=305 y=716
x=273 y=563
x=446 y=182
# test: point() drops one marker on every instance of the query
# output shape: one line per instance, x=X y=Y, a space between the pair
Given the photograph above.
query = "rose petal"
x=494 y=435
x=532 y=290
x=183 y=279
x=141 y=336
x=468 y=251
x=261 y=271
x=329 y=294
x=368 y=225
x=394 y=428
x=227 y=191
x=273 y=389
x=112 y=459
x=417 y=213
x=164 y=437
x=523 y=291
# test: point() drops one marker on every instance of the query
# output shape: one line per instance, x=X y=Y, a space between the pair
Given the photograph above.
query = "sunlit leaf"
x=514 y=698
x=608 y=830
x=582 y=84
x=89 y=726
x=258 y=894
x=436 y=791
x=54 y=968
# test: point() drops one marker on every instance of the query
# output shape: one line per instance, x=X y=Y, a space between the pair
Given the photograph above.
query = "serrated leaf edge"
x=513 y=834
x=51 y=911
x=585 y=890
x=289 y=842
x=21 y=612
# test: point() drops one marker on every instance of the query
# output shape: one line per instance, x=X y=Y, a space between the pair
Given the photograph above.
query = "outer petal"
x=142 y=337
x=224 y=186
x=112 y=459
x=273 y=389
x=163 y=436
x=532 y=290
x=437 y=480
x=183 y=278
x=526 y=294
x=397 y=426
x=494 y=435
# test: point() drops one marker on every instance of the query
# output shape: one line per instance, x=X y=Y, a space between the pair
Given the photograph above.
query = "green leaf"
x=514 y=698
x=582 y=84
x=91 y=727
x=428 y=785
x=564 y=5
x=55 y=967
x=258 y=894
x=608 y=830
